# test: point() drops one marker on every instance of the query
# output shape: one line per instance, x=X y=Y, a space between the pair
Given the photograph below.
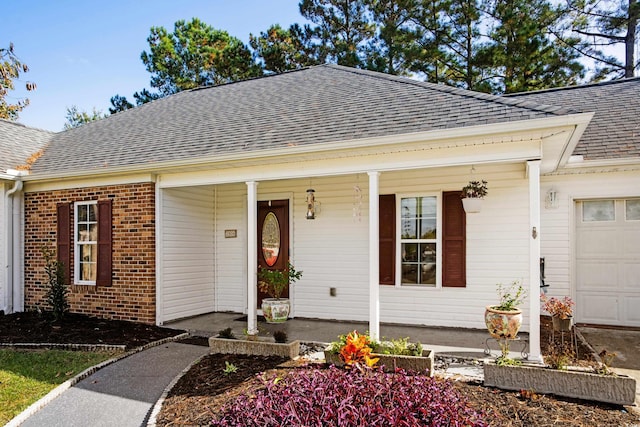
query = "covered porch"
x=207 y=222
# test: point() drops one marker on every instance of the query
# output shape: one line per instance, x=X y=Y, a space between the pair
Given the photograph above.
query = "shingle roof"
x=18 y=143
x=614 y=131
x=326 y=103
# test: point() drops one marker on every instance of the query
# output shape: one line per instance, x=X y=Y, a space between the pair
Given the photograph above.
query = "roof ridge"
x=500 y=99
x=26 y=127
x=578 y=86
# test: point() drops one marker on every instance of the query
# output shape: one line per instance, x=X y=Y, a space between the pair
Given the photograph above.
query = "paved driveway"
x=626 y=345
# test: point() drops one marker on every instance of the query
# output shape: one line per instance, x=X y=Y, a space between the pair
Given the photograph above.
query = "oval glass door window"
x=270 y=239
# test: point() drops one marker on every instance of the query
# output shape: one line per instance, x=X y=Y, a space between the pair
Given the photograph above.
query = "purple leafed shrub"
x=335 y=397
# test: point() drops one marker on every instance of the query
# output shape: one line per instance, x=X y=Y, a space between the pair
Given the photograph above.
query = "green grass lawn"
x=27 y=375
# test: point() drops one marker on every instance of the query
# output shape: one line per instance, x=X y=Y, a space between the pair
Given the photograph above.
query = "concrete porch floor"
x=457 y=342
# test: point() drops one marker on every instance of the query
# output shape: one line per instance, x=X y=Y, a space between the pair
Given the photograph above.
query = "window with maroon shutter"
x=453 y=241
x=104 y=243
x=387 y=239
x=63 y=234
x=418 y=240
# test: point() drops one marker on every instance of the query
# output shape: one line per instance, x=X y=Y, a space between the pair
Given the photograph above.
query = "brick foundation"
x=132 y=294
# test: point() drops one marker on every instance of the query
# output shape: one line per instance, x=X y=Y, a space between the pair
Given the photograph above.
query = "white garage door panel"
x=597 y=275
x=631 y=240
x=597 y=308
x=631 y=310
x=607 y=265
x=597 y=243
x=631 y=278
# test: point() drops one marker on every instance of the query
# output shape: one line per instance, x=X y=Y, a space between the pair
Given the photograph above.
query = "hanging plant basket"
x=472 y=204
x=472 y=195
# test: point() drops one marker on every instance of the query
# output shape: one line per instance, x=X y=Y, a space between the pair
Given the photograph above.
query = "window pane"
x=633 y=210
x=93 y=232
x=409 y=208
x=428 y=229
x=429 y=206
x=428 y=253
x=428 y=274
x=82 y=213
x=410 y=252
x=93 y=212
x=409 y=228
x=88 y=271
x=410 y=273
x=88 y=252
x=601 y=210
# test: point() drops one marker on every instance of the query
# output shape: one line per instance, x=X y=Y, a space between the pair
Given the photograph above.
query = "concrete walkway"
x=121 y=394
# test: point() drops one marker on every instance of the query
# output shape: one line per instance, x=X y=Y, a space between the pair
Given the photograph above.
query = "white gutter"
x=13 y=256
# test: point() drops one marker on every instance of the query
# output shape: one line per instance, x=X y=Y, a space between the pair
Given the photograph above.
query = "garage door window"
x=600 y=210
x=632 y=210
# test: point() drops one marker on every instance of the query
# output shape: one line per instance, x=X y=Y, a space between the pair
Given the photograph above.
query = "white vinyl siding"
x=3 y=246
x=231 y=258
x=187 y=252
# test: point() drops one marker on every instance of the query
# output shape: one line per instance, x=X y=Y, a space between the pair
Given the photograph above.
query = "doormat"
x=244 y=319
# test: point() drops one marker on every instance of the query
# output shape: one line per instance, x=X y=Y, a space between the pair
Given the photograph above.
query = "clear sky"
x=82 y=52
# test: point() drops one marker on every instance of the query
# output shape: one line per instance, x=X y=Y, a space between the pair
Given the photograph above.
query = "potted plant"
x=273 y=283
x=472 y=195
x=561 y=311
x=504 y=319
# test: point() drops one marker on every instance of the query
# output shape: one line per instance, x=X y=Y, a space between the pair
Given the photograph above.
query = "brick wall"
x=132 y=294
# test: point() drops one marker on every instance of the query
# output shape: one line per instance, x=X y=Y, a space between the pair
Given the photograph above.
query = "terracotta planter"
x=502 y=324
x=472 y=204
x=562 y=325
x=275 y=310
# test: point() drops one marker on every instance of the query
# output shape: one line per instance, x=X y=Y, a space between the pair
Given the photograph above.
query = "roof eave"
x=578 y=121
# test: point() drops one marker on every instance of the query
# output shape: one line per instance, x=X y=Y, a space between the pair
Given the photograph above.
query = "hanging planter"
x=472 y=195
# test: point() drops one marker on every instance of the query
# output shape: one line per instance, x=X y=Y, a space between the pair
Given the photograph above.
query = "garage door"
x=608 y=262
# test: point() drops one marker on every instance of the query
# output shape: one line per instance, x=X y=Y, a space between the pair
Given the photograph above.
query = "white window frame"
x=437 y=240
x=77 y=244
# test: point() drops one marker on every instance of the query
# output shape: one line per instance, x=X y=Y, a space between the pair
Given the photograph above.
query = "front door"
x=273 y=238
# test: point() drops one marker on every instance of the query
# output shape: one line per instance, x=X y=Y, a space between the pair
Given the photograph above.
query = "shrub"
x=280 y=337
x=335 y=397
x=226 y=333
x=57 y=290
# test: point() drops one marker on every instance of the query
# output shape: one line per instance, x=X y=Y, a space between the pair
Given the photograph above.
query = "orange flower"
x=356 y=351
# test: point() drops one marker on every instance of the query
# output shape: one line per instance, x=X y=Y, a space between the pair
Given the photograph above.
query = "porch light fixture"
x=551 y=200
x=311 y=204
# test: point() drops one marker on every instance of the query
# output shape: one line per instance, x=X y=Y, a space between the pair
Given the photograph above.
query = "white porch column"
x=252 y=257
x=533 y=171
x=374 y=256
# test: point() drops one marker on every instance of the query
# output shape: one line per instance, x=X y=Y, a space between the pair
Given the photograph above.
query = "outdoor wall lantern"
x=551 y=201
x=311 y=204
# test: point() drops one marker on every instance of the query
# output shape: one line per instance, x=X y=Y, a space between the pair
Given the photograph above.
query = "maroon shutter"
x=453 y=241
x=387 y=239
x=64 y=238
x=104 y=243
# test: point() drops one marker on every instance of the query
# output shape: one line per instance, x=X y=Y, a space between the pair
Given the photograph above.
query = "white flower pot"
x=472 y=204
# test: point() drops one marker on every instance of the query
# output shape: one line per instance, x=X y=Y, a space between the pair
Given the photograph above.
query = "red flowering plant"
x=556 y=307
x=355 y=350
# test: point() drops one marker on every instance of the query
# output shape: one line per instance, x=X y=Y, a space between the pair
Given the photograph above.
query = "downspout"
x=13 y=243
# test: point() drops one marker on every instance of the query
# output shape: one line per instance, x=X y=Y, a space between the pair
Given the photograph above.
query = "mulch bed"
x=205 y=388
x=33 y=327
